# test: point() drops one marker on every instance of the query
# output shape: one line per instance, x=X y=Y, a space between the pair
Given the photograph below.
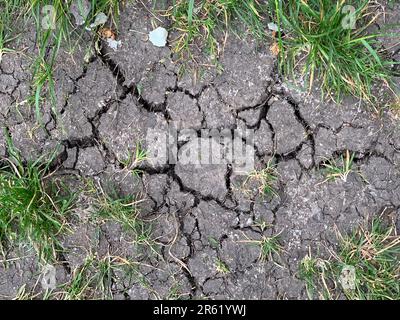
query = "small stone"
x=113 y=44
x=158 y=37
x=273 y=27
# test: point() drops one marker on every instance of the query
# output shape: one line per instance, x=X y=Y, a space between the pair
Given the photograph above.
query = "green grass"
x=372 y=251
x=314 y=272
x=206 y=23
x=311 y=39
x=33 y=207
x=175 y=293
x=94 y=279
x=48 y=41
x=265 y=179
x=391 y=3
x=78 y=286
x=314 y=44
x=7 y=10
x=221 y=267
x=213 y=242
x=125 y=212
x=269 y=246
x=339 y=169
x=375 y=255
x=134 y=159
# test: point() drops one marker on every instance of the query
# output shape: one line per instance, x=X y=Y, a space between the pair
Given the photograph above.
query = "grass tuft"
x=33 y=208
x=375 y=255
x=202 y=23
x=95 y=277
x=334 y=170
x=264 y=179
x=134 y=159
x=7 y=14
x=125 y=212
x=313 y=272
x=365 y=267
x=221 y=267
x=48 y=39
x=269 y=246
x=317 y=40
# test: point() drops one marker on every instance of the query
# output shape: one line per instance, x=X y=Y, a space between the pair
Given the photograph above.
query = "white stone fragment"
x=158 y=37
x=114 y=44
x=273 y=26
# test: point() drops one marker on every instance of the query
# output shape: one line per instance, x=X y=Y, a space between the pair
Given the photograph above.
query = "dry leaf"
x=107 y=33
x=274 y=48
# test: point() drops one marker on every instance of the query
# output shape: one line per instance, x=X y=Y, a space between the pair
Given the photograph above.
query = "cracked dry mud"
x=200 y=216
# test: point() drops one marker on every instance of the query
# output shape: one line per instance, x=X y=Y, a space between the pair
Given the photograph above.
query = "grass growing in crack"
x=7 y=10
x=79 y=284
x=93 y=280
x=265 y=179
x=213 y=242
x=125 y=212
x=200 y=22
x=135 y=159
x=269 y=246
x=175 y=293
x=84 y=281
x=375 y=255
x=341 y=170
x=262 y=225
x=372 y=252
x=221 y=267
x=54 y=27
x=316 y=38
x=32 y=207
